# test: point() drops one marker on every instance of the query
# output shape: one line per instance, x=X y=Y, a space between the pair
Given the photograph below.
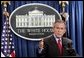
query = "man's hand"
x=41 y=44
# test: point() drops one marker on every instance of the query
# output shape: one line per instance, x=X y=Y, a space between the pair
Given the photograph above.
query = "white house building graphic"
x=35 y=18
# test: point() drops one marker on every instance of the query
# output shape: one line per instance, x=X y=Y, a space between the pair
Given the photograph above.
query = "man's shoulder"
x=67 y=39
x=48 y=37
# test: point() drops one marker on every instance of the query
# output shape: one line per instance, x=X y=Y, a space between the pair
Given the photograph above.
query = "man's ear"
x=64 y=31
x=52 y=29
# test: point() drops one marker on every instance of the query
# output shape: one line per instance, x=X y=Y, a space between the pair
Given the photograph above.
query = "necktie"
x=60 y=46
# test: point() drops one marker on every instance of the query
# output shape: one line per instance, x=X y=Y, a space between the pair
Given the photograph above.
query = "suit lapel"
x=64 y=49
x=54 y=44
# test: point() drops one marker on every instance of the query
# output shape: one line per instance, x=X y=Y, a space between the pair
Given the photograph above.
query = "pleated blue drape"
x=27 y=48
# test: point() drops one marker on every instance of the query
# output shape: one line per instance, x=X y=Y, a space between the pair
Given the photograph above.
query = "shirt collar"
x=57 y=38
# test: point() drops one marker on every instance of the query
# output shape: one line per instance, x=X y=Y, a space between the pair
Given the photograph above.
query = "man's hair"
x=59 y=21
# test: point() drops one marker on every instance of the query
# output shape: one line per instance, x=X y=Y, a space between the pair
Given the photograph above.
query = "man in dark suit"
x=56 y=45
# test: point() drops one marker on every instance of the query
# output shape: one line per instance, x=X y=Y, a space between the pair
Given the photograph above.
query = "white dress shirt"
x=57 y=39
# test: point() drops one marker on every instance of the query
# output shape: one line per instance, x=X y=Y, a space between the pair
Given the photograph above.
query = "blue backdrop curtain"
x=27 y=48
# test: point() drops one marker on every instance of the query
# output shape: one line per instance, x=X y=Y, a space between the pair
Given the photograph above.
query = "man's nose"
x=59 y=30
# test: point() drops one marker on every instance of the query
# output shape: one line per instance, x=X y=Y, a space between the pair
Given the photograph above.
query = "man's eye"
x=61 y=28
x=57 y=27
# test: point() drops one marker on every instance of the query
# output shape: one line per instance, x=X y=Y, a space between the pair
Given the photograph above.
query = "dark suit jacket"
x=51 y=48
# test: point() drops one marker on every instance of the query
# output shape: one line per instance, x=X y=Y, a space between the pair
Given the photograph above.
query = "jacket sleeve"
x=43 y=52
x=70 y=51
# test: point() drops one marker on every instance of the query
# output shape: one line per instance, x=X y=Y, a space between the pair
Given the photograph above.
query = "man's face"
x=59 y=29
